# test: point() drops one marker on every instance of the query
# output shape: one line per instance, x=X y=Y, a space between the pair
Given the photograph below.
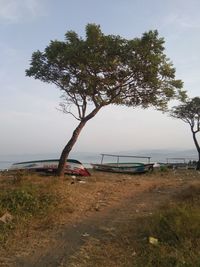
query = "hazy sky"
x=30 y=122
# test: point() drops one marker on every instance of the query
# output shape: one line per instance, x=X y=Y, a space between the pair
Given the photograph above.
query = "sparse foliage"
x=189 y=112
x=105 y=69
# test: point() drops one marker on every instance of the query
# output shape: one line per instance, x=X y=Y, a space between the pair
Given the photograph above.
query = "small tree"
x=105 y=69
x=189 y=112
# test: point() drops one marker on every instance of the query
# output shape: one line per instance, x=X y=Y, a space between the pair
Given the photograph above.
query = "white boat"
x=73 y=167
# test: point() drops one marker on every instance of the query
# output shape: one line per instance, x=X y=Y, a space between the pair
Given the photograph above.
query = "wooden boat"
x=124 y=167
x=181 y=163
x=72 y=167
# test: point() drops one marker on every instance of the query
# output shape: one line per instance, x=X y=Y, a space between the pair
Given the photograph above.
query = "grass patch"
x=178 y=232
x=23 y=201
x=176 y=226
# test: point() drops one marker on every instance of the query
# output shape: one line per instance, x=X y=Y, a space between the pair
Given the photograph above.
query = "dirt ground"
x=89 y=208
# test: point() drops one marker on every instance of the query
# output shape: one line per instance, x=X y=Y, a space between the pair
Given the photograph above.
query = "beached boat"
x=181 y=163
x=123 y=167
x=73 y=167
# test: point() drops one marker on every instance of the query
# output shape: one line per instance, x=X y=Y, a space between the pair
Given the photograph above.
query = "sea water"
x=4 y=165
x=86 y=158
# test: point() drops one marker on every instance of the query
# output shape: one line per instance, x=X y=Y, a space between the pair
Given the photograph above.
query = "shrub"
x=23 y=203
x=177 y=228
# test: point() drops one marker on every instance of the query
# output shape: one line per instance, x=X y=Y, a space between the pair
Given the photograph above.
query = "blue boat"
x=123 y=167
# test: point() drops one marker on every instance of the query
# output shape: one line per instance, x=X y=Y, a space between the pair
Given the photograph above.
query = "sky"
x=29 y=116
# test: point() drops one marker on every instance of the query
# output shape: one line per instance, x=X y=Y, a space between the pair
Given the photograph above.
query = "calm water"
x=87 y=158
x=5 y=164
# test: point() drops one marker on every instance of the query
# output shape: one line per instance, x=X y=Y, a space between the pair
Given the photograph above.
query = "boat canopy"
x=123 y=156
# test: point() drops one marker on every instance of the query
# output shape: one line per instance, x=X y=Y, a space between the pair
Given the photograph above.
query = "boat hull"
x=131 y=168
x=72 y=167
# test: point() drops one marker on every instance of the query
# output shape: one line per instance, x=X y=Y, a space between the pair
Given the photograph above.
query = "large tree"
x=189 y=112
x=100 y=70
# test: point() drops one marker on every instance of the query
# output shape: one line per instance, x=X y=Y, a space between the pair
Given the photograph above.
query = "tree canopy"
x=107 y=69
x=189 y=112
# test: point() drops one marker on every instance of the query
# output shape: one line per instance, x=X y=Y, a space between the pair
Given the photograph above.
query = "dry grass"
x=176 y=226
x=76 y=201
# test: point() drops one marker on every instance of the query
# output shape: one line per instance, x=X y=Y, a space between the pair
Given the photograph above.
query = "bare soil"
x=88 y=209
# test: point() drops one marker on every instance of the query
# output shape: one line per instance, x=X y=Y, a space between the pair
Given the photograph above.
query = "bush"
x=23 y=203
x=177 y=228
x=164 y=168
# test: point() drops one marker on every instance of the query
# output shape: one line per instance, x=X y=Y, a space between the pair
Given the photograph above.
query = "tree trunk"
x=68 y=148
x=72 y=141
x=198 y=163
x=198 y=149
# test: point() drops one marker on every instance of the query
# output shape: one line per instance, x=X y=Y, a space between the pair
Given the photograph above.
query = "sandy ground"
x=101 y=203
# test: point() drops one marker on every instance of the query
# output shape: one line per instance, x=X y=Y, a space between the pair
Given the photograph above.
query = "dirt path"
x=69 y=239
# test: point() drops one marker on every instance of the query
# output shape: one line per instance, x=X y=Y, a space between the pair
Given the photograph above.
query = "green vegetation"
x=163 y=168
x=137 y=234
x=175 y=229
x=22 y=201
x=189 y=112
x=25 y=201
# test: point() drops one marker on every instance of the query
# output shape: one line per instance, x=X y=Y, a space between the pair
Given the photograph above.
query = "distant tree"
x=189 y=112
x=105 y=69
